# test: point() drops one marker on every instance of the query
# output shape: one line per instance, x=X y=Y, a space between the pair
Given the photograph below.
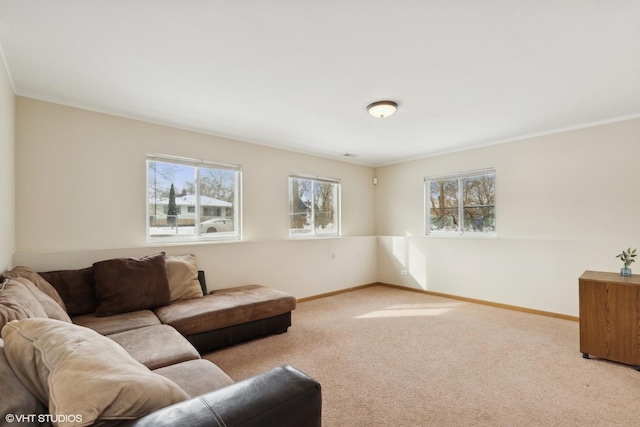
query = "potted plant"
x=627 y=257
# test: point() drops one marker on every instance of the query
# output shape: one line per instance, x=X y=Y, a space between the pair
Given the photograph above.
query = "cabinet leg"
x=585 y=355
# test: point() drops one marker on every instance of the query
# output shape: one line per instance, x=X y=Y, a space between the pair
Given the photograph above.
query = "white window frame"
x=460 y=229
x=313 y=232
x=235 y=235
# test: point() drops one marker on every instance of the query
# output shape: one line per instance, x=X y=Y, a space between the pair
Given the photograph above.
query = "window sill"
x=313 y=236
x=464 y=235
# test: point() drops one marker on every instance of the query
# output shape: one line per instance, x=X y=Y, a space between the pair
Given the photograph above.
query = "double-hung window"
x=314 y=206
x=463 y=203
x=192 y=200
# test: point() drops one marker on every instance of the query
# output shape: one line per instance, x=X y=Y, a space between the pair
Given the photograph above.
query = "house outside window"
x=192 y=200
x=313 y=206
x=461 y=204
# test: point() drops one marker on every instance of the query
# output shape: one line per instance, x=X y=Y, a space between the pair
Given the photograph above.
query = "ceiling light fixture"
x=382 y=109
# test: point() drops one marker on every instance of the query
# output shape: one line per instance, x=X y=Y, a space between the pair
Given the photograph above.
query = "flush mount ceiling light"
x=382 y=109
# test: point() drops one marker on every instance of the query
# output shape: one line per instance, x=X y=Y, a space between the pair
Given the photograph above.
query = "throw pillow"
x=129 y=284
x=80 y=372
x=16 y=399
x=76 y=287
x=17 y=303
x=52 y=308
x=37 y=280
x=182 y=271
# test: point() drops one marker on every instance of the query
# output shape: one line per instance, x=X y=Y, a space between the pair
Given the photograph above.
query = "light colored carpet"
x=389 y=357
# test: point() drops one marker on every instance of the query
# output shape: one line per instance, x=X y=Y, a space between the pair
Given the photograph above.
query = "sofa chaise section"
x=229 y=316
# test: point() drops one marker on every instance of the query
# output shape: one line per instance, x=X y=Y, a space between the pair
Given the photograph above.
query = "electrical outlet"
x=403 y=272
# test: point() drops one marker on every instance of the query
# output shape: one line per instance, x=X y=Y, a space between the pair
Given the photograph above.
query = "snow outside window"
x=192 y=200
x=463 y=203
x=313 y=206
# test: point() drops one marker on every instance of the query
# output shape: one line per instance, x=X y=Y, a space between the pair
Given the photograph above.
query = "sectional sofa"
x=120 y=343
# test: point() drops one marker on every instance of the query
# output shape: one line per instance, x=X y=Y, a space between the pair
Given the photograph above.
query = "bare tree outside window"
x=443 y=197
x=324 y=206
x=300 y=200
x=479 y=203
x=217 y=183
x=461 y=204
x=313 y=206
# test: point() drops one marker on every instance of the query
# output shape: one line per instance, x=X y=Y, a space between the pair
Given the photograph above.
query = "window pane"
x=324 y=207
x=191 y=199
x=313 y=206
x=463 y=203
x=300 y=205
x=479 y=203
x=217 y=200
x=170 y=195
x=443 y=203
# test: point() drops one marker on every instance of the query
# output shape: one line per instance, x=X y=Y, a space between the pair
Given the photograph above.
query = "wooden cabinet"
x=610 y=317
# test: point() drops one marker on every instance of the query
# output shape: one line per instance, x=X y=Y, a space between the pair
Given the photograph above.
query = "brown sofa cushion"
x=182 y=271
x=52 y=308
x=37 y=280
x=17 y=303
x=77 y=289
x=130 y=284
x=83 y=373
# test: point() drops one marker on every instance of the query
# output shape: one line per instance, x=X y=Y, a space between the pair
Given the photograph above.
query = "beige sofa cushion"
x=52 y=308
x=182 y=271
x=130 y=284
x=156 y=346
x=36 y=279
x=118 y=322
x=80 y=372
x=17 y=303
x=16 y=399
x=197 y=376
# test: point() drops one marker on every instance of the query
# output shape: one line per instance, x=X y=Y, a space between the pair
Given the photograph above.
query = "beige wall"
x=566 y=203
x=7 y=171
x=81 y=184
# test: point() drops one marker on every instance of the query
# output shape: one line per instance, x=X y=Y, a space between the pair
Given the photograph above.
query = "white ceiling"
x=298 y=74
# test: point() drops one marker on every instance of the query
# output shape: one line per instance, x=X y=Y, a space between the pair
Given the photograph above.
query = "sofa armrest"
x=283 y=396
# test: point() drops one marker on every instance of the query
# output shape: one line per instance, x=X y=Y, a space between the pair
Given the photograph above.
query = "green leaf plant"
x=627 y=257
